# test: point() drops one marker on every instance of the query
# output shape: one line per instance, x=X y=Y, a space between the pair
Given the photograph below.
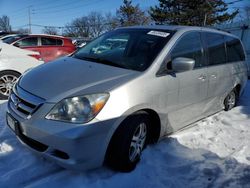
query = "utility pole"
x=29 y=19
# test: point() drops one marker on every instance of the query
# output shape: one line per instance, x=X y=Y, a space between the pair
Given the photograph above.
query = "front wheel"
x=7 y=81
x=128 y=142
x=230 y=100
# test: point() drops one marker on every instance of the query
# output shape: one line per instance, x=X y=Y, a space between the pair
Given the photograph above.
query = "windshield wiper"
x=102 y=61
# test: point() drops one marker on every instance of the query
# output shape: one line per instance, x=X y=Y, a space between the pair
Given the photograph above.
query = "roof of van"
x=165 y=27
x=178 y=28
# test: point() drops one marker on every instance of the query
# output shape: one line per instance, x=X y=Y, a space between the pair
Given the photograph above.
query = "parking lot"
x=214 y=152
x=125 y=94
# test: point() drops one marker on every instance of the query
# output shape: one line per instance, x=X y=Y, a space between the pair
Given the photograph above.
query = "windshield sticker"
x=158 y=33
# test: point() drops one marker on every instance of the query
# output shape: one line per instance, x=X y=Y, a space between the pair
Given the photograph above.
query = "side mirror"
x=181 y=64
x=16 y=44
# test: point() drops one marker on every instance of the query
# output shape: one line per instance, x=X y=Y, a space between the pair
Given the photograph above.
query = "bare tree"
x=97 y=24
x=50 y=31
x=5 y=24
x=89 y=26
x=79 y=27
x=111 y=22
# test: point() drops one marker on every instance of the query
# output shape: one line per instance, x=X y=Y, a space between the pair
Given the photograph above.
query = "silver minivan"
x=124 y=90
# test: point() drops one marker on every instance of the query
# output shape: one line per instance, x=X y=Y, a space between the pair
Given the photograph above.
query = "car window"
x=235 y=50
x=59 y=42
x=11 y=39
x=47 y=41
x=111 y=43
x=189 y=46
x=31 y=41
x=127 y=48
x=216 y=48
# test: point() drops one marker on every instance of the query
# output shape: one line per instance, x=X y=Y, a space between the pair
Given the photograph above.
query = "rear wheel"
x=127 y=143
x=230 y=100
x=7 y=81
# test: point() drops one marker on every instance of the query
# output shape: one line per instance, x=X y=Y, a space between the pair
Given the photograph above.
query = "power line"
x=58 y=6
x=60 y=27
x=18 y=13
x=77 y=13
x=20 y=26
x=67 y=9
x=25 y=7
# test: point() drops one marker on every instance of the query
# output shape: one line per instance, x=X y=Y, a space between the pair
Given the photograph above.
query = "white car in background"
x=12 y=37
x=14 y=62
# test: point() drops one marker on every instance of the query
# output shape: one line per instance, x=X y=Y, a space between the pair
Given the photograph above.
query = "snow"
x=214 y=152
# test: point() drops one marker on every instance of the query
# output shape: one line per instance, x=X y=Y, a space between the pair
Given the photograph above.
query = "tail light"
x=36 y=56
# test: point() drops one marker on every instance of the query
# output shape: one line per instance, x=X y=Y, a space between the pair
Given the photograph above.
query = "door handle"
x=202 y=77
x=214 y=75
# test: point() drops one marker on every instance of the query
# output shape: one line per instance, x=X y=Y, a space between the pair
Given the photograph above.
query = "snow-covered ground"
x=213 y=153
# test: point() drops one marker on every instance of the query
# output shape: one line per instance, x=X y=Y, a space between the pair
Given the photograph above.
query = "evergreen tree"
x=191 y=12
x=128 y=15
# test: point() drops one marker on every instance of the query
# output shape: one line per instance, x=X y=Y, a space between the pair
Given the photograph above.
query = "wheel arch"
x=155 y=126
x=238 y=89
x=11 y=70
x=155 y=122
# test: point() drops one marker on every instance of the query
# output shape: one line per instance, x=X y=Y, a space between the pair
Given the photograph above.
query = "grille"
x=23 y=103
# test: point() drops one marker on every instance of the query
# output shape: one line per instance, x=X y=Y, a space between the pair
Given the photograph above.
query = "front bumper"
x=73 y=146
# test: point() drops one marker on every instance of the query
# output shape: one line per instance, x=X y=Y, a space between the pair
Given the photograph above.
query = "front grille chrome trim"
x=23 y=103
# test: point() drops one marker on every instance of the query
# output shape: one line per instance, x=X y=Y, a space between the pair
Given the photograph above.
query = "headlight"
x=78 y=109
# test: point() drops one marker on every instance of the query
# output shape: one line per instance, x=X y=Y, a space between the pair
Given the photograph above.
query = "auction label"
x=158 y=33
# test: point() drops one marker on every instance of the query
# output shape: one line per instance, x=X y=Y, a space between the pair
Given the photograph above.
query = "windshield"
x=12 y=39
x=133 y=49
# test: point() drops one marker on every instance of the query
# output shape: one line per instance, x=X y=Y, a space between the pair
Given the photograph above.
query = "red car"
x=50 y=47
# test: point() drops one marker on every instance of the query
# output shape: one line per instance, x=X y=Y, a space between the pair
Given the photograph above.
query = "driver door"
x=191 y=86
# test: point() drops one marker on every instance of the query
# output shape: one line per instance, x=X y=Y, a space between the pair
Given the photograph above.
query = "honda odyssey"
x=124 y=90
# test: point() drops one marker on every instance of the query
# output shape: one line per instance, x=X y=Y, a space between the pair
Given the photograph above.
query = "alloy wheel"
x=138 y=142
x=231 y=99
x=6 y=84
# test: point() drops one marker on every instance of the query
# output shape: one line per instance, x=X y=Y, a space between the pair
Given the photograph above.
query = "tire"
x=128 y=141
x=7 y=80
x=230 y=100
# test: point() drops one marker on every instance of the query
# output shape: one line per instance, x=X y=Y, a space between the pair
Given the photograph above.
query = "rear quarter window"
x=216 y=48
x=235 y=50
x=46 y=41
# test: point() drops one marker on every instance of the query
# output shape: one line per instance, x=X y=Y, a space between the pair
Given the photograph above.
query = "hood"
x=73 y=77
